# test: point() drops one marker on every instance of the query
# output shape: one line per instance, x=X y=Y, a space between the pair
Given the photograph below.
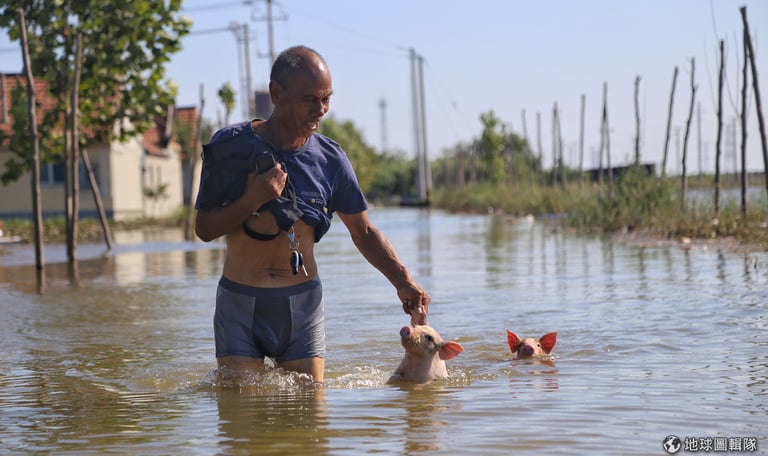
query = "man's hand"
x=266 y=186
x=415 y=303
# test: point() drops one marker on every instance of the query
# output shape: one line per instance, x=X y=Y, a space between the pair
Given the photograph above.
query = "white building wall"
x=163 y=171
x=125 y=179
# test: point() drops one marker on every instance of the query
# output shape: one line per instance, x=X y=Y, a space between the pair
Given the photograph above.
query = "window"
x=53 y=174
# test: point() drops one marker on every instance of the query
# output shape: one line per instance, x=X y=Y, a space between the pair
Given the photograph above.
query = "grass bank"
x=89 y=229
x=637 y=203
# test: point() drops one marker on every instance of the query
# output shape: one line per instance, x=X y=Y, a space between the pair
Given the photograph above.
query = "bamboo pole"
x=608 y=145
x=561 y=159
x=75 y=146
x=602 y=139
x=581 y=141
x=684 y=179
x=756 y=89
x=77 y=151
x=719 y=126
x=538 y=145
x=188 y=227
x=637 y=121
x=605 y=142
x=698 y=141
x=527 y=158
x=745 y=76
x=34 y=136
x=97 y=199
x=553 y=177
x=669 y=125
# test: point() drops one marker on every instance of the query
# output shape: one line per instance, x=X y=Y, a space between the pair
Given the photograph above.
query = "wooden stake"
x=756 y=88
x=687 y=133
x=33 y=133
x=719 y=127
x=669 y=125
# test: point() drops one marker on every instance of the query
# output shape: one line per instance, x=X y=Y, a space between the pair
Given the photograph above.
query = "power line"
x=218 y=6
x=327 y=23
x=446 y=96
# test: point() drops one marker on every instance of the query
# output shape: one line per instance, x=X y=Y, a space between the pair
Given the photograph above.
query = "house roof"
x=155 y=139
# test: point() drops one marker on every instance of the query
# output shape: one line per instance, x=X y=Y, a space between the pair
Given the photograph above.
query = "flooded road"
x=117 y=356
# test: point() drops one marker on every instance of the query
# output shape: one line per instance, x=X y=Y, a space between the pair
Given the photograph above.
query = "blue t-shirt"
x=321 y=174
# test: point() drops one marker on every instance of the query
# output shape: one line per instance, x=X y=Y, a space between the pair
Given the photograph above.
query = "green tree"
x=363 y=157
x=125 y=47
x=395 y=175
x=227 y=96
x=18 y=140
x=103 y=64
x=492 y=141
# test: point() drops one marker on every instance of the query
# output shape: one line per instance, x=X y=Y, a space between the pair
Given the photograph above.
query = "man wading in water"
x=271 y=187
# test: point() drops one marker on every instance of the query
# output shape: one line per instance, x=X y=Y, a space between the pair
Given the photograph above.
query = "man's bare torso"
x=267 y=264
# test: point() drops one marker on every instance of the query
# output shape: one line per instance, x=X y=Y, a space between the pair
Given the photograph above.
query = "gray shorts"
x=285 y=324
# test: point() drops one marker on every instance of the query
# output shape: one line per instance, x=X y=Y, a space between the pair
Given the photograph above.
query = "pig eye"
x=430 y=338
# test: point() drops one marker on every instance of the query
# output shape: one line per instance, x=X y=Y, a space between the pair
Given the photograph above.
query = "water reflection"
x=424 y=244
x=125 y=268
x=73 y=410
x=533 y=375
x=294 y=422
x=422 y=412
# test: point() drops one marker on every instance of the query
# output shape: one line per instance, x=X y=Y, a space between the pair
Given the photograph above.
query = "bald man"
x=269 y=298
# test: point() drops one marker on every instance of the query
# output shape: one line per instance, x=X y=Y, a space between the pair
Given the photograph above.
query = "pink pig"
x=530 y=347
x=425 y=355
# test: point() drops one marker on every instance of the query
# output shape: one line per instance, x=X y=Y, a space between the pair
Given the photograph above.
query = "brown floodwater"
x=116 y=355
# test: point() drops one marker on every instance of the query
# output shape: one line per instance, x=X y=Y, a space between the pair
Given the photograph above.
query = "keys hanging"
x=297 y=259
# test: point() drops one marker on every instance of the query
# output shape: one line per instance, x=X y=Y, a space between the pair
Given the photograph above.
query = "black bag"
x=228 y=163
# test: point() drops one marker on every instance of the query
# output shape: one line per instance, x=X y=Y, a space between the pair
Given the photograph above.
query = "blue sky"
x=503 y=55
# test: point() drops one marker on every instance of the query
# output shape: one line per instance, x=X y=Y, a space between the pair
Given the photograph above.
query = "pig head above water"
x=425 y=355
x=530 y=347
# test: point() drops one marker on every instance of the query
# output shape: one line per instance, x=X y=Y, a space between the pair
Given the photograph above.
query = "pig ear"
x=450 y=350
x=512 y=340
x=548 y=341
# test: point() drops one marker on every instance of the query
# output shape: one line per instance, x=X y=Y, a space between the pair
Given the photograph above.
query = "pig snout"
x=527 y=350
x=405 y=332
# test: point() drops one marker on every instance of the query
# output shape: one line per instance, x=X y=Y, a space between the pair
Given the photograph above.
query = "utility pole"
x=270 y=32
x=424 y=155
x=698 y=125
x=270 y=18
x=248 y=79
x=262 y=106
x=423 y=182
x=244 y=63
x=383 y=107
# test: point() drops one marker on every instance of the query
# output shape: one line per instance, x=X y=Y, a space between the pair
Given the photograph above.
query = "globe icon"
x=671 y=444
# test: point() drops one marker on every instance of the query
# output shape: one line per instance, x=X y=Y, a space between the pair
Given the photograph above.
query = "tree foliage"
x=491 y=150
x=125 y=47
x=496 y=156
x=362 y=155
x=379 y=174
x=395 y=175
x=227 y=96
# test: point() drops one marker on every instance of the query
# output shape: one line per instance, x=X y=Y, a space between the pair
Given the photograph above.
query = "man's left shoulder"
x=329 y=148
x=326 y=143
